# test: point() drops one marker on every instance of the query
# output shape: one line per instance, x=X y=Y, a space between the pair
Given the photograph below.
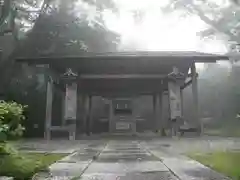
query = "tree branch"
x=7 y=72
x=5 y=10
x=217 y=28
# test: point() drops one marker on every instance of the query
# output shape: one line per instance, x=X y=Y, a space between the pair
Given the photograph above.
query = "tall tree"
x=54 y=27
x=221 y=18
x=19 y=18
x=70 y=27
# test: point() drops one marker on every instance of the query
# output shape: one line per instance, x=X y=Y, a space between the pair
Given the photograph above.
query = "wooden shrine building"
x=114 y=83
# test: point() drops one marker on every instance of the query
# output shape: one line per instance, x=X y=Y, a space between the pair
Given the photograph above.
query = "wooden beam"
x=186 y=84
x=190 y=75
x=122 y=76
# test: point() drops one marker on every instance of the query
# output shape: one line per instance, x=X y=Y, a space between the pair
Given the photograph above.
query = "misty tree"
x=59 y=28
x=222 y=18
x=18 y=17
x=67 y=28
x=49 y=28
x=70 y=27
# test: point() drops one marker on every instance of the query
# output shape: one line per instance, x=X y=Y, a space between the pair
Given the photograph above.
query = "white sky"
x=158 y=31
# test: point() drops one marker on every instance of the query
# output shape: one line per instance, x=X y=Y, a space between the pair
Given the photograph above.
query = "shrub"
x=18 y=166
x=11 y=117
x=7 y=149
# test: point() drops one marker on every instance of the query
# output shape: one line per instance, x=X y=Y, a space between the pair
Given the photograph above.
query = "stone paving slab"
x=119 y=153
x=192 y=170
x=56 y=146
x=74 y=164
x=133 y=160
x=182 y=166
x=187 y=169
x=125 y=167
x=128 y=162
x=124 y=151
x=59 y=178
x=68 y=169
x=125 y=148
x=49 y=177
x=79 y=156
x=129 y=176
x=126 y=157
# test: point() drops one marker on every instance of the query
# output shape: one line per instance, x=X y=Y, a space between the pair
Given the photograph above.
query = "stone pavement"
x=54 y=146
x=181 y=166
x=127 y=160
x=158 y=159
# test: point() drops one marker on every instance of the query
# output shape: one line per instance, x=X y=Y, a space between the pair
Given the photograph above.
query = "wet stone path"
x=126 y=160
x=159 y=159
x=76 y=163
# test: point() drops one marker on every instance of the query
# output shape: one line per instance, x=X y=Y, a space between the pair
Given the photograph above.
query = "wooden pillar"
x=161 y=117
x=84 y=124
x=110 y=116
x=154 y=112
x=71 y=109
x=181 y=94
x=79 y=124
x=85 y=118
x=134 y=114
x=89 y=116
x=63 y=107
x=175 y=105
x=195 y=94
x=48 y=117
x=157 y=111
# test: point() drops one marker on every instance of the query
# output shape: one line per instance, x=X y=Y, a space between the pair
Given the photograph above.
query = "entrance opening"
x=100 y=115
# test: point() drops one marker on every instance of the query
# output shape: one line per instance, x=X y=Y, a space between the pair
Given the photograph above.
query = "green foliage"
x=11 y=117
x=23 y=166
x=57 y=32
x=6 y=149
x=18 y=166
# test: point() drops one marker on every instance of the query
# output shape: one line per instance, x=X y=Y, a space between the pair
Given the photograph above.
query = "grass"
x=22 y=166
x=227 y=163
x=45 y=159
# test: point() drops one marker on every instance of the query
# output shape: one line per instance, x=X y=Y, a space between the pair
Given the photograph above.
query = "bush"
x=11 y=117
x=6 y=149
x=15 y=164
x=19 y=167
